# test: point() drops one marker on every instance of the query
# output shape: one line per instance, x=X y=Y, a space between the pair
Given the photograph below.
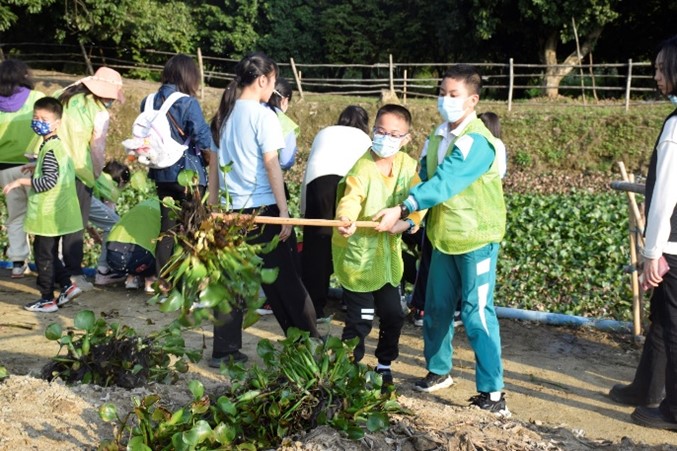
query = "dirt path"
x=555 y=377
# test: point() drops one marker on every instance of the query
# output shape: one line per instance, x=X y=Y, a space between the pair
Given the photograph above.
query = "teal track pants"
x=469 y=278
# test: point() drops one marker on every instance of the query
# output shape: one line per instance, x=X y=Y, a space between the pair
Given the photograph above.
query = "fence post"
x=627 y=85
x=390 y=70
x=404 y=87
x=88 y=62
x=202 y=73
x=511 y=84
x=296 y=77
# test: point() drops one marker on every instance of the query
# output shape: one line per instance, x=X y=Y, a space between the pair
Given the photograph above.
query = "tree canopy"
x=355 y=31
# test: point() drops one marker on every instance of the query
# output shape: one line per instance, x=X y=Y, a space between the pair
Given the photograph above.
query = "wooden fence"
x=630 y=81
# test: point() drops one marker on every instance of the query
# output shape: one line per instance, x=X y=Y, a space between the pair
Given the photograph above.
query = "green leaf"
x=173 y=302
x=187 y=177
x=268 y=275
x=250 y=318
x=108 y=412
x=136 y=444
x=224 y=433
x=139 y=181
x=84 y=320
x=196 y=388
x=53 y=331
x=4 y=374
x=377 y=421
x=213 y=294
x=226 y=406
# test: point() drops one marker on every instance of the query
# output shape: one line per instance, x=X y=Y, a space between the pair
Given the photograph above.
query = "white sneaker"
x=18 y=271
x=133 y=283
x=82 y=282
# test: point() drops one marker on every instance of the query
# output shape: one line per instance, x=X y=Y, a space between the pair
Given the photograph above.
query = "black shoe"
x=653 y=418
x=235 y=357
x=387 y=383
x=627 y=394
x=433 y=382
x=484 y=402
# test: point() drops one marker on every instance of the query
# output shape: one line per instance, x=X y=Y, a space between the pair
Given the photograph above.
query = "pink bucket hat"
x=105 y=83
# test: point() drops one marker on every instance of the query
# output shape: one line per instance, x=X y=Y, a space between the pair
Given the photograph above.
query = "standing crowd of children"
x=56 y=181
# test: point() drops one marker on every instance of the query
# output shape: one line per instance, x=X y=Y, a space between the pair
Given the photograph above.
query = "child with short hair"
x=53 y=208
x=368 y=264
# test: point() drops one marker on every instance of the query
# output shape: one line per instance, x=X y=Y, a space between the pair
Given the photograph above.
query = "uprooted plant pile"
x=304 y=383
x=114 y=354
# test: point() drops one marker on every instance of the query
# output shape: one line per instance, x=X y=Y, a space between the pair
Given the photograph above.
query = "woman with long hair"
x=249 y=137
x=83 y=131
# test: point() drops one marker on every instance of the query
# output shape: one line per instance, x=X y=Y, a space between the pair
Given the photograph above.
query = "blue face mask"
x=451 y=108
x=673 y=99
x=108 y=104
x=385 y=145
x=42 y=128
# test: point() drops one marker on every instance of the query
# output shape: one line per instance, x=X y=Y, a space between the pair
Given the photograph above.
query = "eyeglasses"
x=382 y=132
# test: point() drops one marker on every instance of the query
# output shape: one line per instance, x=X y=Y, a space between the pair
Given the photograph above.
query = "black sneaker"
x=387 y=383
x=235 y=357
x=433 y=382
x=653 y=418
x=417 y=317
x=627 y=394
x=68 y=293
x=484 y=402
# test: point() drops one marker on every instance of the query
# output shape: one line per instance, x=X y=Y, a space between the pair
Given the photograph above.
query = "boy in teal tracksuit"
x=368 y=264
x=462 y=188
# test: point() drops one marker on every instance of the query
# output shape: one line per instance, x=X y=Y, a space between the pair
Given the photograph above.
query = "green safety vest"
x=476 y=216
x=54 y=212
x=106 y=188
x=140 y=226
x=287 y=124
x=77 y=126
x=368 y=259
x=16 y=136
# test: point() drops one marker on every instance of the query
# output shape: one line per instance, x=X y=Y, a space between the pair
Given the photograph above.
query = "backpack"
x=152 y=143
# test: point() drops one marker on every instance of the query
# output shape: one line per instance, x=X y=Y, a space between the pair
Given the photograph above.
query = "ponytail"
x=250 y=68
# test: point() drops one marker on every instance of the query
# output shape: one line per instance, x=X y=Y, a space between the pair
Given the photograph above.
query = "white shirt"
x=664 y=197
x=251 y=130
x=334 y=151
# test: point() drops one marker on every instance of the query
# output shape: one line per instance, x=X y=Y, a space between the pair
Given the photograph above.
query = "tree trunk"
x=555 y=72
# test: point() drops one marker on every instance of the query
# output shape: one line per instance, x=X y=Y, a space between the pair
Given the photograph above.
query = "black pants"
x=317 y=268
x=418 y=296
x=649 y=381
x=73 y=243
x=50 y=268
x=384 y=302
x=664 y=306
x=165 y=246
x=132 y=259
x=227 y=333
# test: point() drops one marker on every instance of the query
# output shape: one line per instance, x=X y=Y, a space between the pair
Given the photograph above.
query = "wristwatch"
x=404 y=210
x=412 y=225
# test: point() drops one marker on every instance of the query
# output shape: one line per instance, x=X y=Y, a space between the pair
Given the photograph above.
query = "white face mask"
x=385 y=145
x=673 y=99
x=451 y=108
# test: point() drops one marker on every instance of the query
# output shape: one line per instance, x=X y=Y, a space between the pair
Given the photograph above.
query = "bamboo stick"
x=634 y=279
x=294 y=221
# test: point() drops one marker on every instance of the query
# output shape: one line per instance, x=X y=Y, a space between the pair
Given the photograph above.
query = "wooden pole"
x=633 y=202
x=296 y=77
x=202 y=73
x=293 y=221
x=391 y=71
x=511 y=84
x=404 y=87
x=580 y=60
x=634 y=281
x=628 y=85
x=88 y=62
x=592 y=79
